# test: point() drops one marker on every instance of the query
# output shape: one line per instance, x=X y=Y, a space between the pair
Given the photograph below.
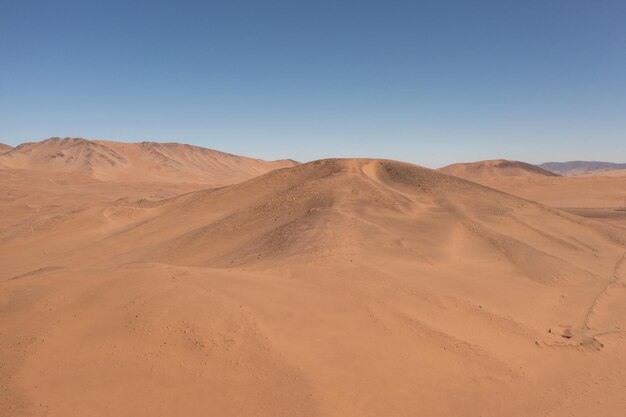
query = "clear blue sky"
x=431 y=82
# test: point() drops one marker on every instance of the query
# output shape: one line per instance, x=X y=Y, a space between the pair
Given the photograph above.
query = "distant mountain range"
x=580 y=167
x=136 y=162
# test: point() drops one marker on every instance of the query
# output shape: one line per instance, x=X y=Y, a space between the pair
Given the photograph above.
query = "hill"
x=300 y=288
x=599 y=195
x=137 y=162
x=4 y=148
x=580 y=167
x=491 y=169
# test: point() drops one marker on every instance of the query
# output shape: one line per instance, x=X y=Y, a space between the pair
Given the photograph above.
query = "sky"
x=429 y=82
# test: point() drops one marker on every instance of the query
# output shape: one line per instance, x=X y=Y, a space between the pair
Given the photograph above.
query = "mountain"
x=490 y=169
x=4 y=148
x=332 y=288
x=137 y=162
x=599 y=196
x=580 y=167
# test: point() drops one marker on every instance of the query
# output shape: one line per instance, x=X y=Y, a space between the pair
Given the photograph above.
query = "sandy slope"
x=36 y=194
x=4 y=148
x=601 y=196
x=333 y=288
x=137 y=162
x=58 y=176
x=605 y=190
x=582 y=191
x=609 y=173
x=485 y=170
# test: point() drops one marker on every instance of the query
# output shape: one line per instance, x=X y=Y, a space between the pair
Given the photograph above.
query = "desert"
x=312 y=209
x=337 y=287
x=600 y=195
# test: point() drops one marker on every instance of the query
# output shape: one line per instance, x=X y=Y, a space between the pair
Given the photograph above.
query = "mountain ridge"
x=494 y=168
x=142 y=161
x=573 y=168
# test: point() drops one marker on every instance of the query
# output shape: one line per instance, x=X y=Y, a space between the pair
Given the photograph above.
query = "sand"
x=600 y=196
x=342 y=287
x=497 y=168
x=4 y=148
x=609 y=173
x=137 y=162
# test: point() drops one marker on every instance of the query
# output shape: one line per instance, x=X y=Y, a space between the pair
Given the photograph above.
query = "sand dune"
x=332 y=288
x=4 y=148
x=137 y=162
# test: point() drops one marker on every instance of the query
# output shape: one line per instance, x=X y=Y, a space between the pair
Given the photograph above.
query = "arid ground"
x=169 y=280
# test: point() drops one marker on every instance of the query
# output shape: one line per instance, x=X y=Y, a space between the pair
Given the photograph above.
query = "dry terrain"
x=581 y=167
x=57 y=176
x=600 y=196
x=137 y=162
x=341 y=287
x=495 y=169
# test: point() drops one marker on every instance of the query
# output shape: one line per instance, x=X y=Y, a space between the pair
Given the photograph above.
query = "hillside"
x=4 y=148
x=572 y=168
x=298 y=288
x=137 y=162
x=493 y=169
x=600 y=195
x=608 y=173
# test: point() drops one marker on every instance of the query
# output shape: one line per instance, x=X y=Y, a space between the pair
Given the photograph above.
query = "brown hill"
x=337 y=287
x=137 y=162
x=4 y=148
x=487 y=170
x=600 y=196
